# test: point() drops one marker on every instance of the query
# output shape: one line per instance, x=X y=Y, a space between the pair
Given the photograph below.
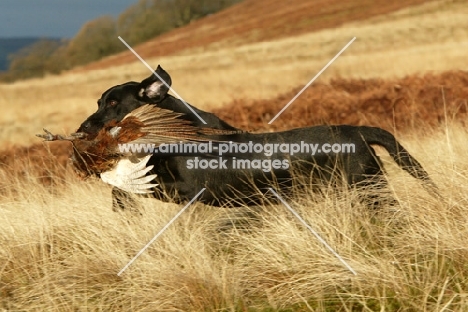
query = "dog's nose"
x=84 y=126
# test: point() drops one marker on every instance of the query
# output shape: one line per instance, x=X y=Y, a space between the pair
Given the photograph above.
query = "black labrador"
x=235 y=177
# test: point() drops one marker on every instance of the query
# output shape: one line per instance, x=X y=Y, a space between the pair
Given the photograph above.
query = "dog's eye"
x=113 y=102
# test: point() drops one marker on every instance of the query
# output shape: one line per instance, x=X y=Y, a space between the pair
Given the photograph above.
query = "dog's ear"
x=156 y=86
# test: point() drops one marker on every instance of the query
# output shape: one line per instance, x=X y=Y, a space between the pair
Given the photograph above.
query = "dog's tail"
x=381 y=137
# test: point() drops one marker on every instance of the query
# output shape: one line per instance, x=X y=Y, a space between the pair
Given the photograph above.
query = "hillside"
x=247 y=85
x=255 y=21
x=405 y=104
x=11 y=45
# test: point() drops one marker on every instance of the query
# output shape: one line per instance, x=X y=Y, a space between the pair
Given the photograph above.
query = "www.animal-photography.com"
x=239 y=155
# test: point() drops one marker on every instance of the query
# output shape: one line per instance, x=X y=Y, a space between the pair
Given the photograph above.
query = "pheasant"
x=100 y=154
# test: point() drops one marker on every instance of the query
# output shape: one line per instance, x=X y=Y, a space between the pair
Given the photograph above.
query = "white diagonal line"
x=165 y=83
x=314 y=232
x=160 y=232
x=313 y=79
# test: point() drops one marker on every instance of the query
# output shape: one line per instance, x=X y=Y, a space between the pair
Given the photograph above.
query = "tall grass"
x=62 y=247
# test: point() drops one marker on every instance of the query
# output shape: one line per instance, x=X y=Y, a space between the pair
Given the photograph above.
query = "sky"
x=53 y=18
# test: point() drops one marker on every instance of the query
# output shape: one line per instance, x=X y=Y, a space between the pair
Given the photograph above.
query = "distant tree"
x=149 y=18
x=96 y=39
x=144 y=20
x=186 y=11
x=34 y=60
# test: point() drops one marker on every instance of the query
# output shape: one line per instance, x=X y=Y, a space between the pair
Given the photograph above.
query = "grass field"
x=62 y=246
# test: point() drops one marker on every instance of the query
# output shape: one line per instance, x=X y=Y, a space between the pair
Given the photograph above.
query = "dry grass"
x=62 y=248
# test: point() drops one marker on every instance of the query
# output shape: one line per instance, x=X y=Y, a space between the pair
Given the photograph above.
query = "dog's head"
x=120 y=100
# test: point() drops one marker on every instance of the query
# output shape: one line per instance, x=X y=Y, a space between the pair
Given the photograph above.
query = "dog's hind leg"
x=371 y=179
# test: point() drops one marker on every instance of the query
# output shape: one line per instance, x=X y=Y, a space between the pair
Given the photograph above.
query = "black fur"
x=120 y=100
x=233 y=187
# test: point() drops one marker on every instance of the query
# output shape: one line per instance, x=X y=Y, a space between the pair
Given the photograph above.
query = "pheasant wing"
x=157 y=125
x=131 y=176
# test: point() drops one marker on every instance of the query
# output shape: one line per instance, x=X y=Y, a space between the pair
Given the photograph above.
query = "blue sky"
x=53 y=18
